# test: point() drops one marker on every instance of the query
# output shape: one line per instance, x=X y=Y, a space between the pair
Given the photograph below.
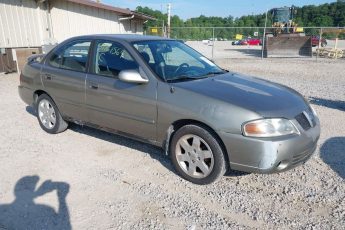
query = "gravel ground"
x=88 y=179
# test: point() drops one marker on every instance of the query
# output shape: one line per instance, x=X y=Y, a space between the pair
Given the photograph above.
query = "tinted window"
x=73 y=56
x=111 y=58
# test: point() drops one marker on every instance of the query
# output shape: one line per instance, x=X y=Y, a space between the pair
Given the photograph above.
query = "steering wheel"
x=183 y=65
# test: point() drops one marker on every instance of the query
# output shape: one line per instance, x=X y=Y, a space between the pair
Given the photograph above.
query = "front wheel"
x=197 y=155
x=49 y=116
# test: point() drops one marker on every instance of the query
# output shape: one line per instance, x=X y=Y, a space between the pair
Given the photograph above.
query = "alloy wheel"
x=194 y=156
x=46 y=113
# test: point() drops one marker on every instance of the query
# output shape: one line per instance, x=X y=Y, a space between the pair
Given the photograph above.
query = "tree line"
x=324 y=15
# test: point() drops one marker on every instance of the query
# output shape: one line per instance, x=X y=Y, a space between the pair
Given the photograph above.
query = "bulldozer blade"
x=288 y=45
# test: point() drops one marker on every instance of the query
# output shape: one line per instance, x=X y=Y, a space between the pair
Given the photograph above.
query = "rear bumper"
x=270 y=155
x=26 y=95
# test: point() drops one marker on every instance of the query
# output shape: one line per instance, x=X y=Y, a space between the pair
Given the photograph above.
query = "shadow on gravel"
x=333 y=153
x=247 y=52
x=30 y=110
x=234 y=174
x=154 y=152
x=340 y=105
x=24 y=213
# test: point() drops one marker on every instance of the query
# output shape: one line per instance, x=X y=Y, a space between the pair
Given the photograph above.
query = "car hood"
x=266 y=98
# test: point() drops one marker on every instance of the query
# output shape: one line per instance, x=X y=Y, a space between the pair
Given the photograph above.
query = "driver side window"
x=111 y=58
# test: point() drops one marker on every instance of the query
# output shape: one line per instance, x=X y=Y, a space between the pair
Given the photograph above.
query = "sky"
x=223 y=8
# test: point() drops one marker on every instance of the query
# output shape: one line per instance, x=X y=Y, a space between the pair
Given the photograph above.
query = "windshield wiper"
x=184 y=78
x=213 y=73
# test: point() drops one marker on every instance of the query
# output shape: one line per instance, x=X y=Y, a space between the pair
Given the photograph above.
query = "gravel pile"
x=118 y=183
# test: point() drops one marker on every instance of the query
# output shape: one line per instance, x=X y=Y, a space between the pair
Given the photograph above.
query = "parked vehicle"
x=243 y=42
x=251 y=42
x=285 y=38
x=315 y=40
x=161 y=91
x=236 y=43
x=248 y=41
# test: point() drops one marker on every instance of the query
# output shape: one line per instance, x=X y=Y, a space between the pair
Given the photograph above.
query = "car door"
x=63 y=77
x=111 y=103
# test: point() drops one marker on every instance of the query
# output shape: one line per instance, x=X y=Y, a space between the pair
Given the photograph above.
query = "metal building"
x=28 y=25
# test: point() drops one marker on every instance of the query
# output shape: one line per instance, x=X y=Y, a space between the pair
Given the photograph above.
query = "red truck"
x=316 y=39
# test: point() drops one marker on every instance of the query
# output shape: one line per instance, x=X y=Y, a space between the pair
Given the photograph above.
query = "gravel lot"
x=111 y=182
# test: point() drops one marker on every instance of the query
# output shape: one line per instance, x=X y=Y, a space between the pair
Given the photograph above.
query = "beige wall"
x=24 y=23
x=21 y=24
x=71 y=19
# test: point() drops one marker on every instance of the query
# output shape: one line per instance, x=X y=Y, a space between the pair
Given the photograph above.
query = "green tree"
x=332 y=15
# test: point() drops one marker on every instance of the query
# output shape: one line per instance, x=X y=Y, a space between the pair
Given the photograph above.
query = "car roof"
x=121 y=37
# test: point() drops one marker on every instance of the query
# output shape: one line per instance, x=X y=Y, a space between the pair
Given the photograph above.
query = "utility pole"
x=169 y=17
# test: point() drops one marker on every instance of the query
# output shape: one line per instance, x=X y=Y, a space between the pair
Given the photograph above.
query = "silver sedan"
x=161 y=91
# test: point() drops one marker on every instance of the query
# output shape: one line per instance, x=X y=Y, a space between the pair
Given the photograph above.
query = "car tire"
x=49 y=116
x=323 y=44
x=197 y=155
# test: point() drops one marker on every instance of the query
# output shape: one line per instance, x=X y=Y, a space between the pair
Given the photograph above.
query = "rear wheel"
x=197 y=155
x=49 y=116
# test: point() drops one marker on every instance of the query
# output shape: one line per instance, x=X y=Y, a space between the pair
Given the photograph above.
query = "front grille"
x=303 y=121
x=306 y=119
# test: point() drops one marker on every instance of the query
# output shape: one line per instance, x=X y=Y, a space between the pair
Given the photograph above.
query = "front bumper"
x=262 y=155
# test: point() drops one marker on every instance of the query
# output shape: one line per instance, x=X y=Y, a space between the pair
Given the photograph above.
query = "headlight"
x=269 y=128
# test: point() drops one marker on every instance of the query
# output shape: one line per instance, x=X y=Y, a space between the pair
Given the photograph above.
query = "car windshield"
x=174 y=61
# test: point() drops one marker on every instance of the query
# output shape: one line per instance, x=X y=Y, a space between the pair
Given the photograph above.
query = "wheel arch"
x=38 y=93
x=176 y=125
x=60 y=125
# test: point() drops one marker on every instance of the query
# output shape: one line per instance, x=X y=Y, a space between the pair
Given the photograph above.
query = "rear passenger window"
x=111 y=58
x=74 y=56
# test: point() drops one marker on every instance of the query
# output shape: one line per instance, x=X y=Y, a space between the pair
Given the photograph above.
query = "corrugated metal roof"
x=118 y=10
x=143 y=16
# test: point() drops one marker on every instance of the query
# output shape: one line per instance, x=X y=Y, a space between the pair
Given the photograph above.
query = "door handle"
x=47 y=76
x=93 y=86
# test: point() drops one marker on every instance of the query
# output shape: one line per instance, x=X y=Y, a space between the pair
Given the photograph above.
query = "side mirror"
x=132 y=76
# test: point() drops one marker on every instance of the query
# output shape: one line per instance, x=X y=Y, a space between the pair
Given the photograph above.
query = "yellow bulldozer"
x=285 y=38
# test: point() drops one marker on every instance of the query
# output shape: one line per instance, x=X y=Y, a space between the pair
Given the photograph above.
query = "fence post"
x=320 y=40
x=213 y=41
x=264 y=37
x=263 y=43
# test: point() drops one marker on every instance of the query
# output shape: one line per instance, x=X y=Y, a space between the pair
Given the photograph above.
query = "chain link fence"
x=251 y=42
